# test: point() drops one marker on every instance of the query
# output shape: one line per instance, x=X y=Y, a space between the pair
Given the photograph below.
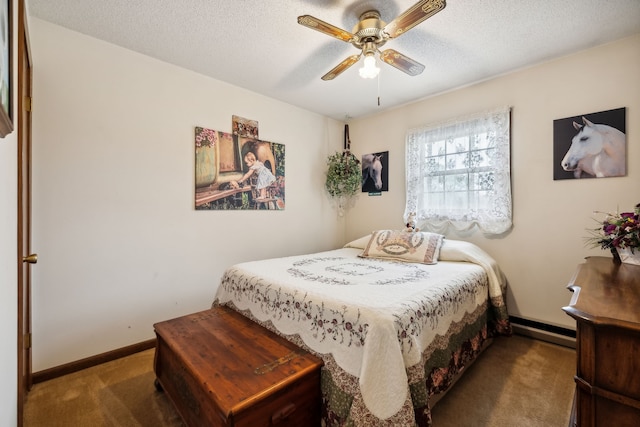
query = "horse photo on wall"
x=375 y=172
x=590 y=145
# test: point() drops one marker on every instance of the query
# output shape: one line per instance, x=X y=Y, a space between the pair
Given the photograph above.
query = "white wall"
x=8 y=281
x=546 y=243
x=8 y=264
x=120 y=244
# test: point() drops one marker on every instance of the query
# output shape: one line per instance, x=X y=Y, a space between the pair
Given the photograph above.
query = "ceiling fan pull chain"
x=379 y=89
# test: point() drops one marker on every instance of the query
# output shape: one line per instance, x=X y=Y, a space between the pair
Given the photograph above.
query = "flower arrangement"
x=618 y=231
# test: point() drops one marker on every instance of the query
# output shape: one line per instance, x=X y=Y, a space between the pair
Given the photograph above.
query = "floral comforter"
x=373 y=321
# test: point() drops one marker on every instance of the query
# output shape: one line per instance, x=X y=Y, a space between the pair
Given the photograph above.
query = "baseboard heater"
x=544 y=331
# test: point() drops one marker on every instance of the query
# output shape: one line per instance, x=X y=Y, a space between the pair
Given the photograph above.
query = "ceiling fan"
x=371 y=32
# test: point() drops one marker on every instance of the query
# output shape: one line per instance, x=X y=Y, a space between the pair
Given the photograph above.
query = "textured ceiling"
x=258 y=44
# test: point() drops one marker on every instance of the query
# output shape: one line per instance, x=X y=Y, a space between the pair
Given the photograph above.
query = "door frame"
x=23 y=117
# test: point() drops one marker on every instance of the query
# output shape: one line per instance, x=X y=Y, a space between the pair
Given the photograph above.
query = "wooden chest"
x=221 y=369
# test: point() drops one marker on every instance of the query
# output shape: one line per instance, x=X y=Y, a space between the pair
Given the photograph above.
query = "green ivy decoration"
x=344 y=176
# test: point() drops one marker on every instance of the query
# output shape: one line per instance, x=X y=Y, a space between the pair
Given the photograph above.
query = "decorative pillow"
x=404 y=246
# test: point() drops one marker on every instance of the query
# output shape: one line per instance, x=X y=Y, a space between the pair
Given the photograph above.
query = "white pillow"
x=402 y=245
x=360 y=243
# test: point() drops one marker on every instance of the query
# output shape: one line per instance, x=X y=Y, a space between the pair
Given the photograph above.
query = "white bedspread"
x=374 y=316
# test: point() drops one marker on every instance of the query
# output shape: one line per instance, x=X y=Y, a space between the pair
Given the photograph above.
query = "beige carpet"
x=117 y=393
x=518 y=381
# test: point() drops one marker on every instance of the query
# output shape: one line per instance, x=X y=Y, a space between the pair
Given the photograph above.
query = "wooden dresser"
x=606 y=307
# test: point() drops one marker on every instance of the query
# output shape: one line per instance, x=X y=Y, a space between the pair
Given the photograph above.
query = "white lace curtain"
x=458 y=173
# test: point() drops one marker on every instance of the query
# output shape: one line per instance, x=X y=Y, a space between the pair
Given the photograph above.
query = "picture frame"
x=244 y=127
x=590 y=145
x=6 y=123
x=235 y=172
x=375 y=173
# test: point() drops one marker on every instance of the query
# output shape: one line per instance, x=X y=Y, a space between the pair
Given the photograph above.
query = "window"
x=458 y=173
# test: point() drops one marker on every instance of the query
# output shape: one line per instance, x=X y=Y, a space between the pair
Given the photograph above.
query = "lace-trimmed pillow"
x=404 y=246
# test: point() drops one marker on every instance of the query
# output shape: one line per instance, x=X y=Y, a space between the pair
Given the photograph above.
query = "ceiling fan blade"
x=341 y=67
x=401 y=62
x=318 y=25
x=413 y=16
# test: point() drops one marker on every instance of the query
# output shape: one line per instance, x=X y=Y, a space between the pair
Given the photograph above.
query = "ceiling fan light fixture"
x=369 y=69
x=371 y=33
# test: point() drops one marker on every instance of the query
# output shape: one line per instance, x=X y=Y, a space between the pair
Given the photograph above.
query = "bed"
x=395 y=316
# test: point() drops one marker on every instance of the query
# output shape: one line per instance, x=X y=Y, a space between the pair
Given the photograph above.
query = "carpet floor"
x=517 y=381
